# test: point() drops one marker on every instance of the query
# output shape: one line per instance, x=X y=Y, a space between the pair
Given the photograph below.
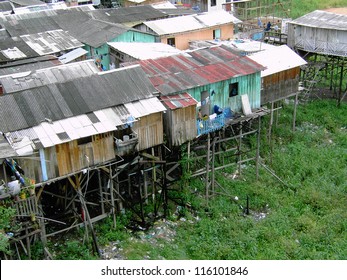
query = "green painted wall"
x=249 y=84
x=101 y=55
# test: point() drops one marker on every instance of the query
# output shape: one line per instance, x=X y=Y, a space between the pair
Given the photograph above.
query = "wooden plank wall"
x=150 y=131
x=280 y=85
x=180 y=125
x=69 y=157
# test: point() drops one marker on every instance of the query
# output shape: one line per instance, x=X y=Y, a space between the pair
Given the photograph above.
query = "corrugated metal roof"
x=277 y=59
x=48 y=134
x=6 y=150
x=190 y=22
x=10 y=48
x=57 y=74
x=144 y=50
x=72 y=55
x=50 y=42
x=27 y=2
x=197 y=68
x=24 y=24
x=54 y=102
x=6 y=6
x=178 y=101
x=128 y=14
x=89 y=31
x=323 y=19
x=30 y=64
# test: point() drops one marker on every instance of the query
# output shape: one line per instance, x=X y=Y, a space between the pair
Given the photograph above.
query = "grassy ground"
x=300 y=8
x=305 y=218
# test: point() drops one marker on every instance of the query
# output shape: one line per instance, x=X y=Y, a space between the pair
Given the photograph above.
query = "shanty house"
x=179 y=31
x=281 y=77
x=319 y=32
x=61 y=128
x=214 y=76
x=95 y=34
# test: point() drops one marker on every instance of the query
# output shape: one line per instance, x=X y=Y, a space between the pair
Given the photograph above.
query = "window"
x=213 y=3
x=233 y=89
x=216 y=34
x=171 y=41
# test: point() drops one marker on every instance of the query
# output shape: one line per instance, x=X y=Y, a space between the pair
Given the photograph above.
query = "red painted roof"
x=178 y=101
x=196 y=68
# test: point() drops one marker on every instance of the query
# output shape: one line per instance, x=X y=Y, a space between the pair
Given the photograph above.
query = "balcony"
x=213 y=123
x=127 y=144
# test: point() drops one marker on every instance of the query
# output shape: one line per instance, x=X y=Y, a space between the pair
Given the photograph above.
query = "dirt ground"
x=341 y=11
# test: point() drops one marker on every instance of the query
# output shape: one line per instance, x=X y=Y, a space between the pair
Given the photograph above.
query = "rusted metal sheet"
x=178 y=101
x=198 y=68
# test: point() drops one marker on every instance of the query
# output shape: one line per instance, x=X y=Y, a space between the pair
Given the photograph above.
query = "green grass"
x=305 y=220
x=300 y=8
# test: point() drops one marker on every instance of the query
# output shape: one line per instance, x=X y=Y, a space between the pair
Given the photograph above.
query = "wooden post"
x=113 y=209
x=208 y=165
x=101 y=193
x=340 y=86
x=239 y=149
x=213 y=159
x=188 y=167
x=271 y=122
x=294 y=113
x=87 y=216
x=258 y=148
x=154 y=175
x=165 y=195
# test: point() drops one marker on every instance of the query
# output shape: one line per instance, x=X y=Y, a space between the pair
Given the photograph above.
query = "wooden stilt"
x=208 y=167
x=113 y=209
x=101 y=193
x=213 y=165
x=271 y=123
x=239 y=149
x=258 y=148
x=295 y=108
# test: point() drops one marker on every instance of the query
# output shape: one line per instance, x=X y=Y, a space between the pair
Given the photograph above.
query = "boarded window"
x=233 y=89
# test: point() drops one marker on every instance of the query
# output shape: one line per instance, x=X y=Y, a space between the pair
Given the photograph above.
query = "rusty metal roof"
x=178 y=101
x=178 y=73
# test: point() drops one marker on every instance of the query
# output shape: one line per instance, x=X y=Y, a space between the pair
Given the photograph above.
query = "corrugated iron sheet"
x=48 y=134
x=282 y=58
x=9 y=44
x=128 y=14
x=50 y=42
x=197 y=68
x=58 y=74
x=178 y=101
x=191 y=22
x=84 y=95
x=323 y=19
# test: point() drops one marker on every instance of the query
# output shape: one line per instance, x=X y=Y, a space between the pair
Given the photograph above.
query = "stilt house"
x=61 y=128
x=215 y=77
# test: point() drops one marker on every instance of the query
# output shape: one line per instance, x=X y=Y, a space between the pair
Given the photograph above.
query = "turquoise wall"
x=249 y=84
x=101 y=54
